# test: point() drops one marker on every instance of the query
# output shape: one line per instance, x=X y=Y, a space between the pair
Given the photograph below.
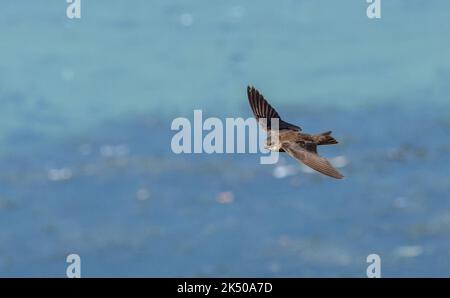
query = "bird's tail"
x=325 y=138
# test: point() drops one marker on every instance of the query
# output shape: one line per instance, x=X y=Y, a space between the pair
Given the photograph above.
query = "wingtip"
x=340 y=176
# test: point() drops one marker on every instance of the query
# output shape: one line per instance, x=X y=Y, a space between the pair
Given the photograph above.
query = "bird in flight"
x=289 y=138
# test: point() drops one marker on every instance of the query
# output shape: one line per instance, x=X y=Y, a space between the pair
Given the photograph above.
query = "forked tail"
x=325 y=138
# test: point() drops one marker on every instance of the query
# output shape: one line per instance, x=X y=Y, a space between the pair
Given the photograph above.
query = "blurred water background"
x=85 y=160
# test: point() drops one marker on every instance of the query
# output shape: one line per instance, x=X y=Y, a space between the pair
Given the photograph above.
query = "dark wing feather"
x=310 y=146
x=311 y=159
x=264 y=112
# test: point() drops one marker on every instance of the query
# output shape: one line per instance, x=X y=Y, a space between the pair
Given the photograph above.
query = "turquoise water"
x=85 y=113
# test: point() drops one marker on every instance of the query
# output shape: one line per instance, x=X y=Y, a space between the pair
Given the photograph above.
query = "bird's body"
x=286 y=137
x=275 y=140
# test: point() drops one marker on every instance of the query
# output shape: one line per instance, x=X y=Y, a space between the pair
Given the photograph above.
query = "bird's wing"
x=311 y=147
x=264 y=112
x=311 y=159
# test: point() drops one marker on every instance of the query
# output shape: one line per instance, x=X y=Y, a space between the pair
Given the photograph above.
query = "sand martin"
x=289 y=138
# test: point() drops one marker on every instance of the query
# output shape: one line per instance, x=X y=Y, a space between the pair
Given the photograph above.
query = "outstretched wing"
x=264 y=112
x=311 y=159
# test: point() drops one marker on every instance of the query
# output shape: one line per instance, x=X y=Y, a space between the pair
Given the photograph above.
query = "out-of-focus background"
x=85 y=159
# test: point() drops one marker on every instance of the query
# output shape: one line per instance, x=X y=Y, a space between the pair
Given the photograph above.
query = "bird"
x=289 y=138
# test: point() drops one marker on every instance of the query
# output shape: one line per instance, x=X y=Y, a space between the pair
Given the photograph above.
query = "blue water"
x=86 y=166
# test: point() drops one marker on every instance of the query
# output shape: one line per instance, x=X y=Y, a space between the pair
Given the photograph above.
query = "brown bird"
x=289 y=138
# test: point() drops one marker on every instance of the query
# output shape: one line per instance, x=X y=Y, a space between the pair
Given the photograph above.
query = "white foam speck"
x=59 y=174
x=410 y=251
x=143 y=194
x=226 y=197
x=339 y=161
x=114 y=150
x=284 y=171
x=186 y=19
